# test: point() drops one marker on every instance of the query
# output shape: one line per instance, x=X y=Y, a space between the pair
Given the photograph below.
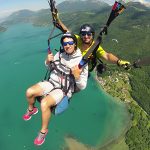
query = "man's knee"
x=29 y=92
x=34 y=90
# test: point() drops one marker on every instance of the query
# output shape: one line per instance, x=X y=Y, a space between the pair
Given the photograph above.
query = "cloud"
x=5 y=13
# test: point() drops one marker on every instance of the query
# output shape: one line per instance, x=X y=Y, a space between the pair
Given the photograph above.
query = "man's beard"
x=88 y=43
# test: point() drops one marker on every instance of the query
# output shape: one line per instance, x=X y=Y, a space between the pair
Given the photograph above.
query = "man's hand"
x=76 y=72
x=50 y=58
x=125 y=64
x=104 y=30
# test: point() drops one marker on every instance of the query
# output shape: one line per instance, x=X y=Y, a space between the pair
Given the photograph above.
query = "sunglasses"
x=70 y=43
x=86 y=33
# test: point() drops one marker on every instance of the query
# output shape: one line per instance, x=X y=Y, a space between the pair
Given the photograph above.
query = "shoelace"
x=41 y=136
x=29 y=113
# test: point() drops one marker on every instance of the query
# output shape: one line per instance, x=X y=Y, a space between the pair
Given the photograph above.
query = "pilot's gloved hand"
x=123 y=63
x=104 y=30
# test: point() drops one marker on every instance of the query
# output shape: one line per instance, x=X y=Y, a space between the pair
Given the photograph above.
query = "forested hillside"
x=80 y=5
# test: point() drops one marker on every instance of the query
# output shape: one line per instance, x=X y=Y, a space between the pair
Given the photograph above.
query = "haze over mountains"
x=42 y=16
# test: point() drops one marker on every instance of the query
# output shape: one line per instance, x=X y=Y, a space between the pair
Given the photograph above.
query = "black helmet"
x=87 y=28
x=69 y=35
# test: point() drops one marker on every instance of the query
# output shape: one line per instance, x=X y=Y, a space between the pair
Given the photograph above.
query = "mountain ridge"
x=45 y=14
x=74 y=6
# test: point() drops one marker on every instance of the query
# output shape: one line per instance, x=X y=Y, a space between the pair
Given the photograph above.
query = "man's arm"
x=110 y=57
x=65 y=29
x=60 y=23
x=114 y=59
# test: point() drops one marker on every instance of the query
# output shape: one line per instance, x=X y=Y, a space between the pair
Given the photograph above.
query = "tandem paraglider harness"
x=67 y=83
x=63 y=105
x=117 y=9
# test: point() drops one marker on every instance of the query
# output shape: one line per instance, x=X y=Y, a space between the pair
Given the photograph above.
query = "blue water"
x=93 y=117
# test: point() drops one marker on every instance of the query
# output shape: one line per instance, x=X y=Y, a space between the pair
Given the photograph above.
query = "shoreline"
x=112 y=143
x=117 y=84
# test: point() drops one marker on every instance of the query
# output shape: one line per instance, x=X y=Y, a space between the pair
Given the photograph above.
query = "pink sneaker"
x=39 y=140
x=29 y=114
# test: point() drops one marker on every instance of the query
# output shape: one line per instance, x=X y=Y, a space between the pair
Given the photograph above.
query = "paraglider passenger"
x=64 y=78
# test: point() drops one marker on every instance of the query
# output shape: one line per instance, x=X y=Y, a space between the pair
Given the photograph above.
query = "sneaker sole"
x=40 y=143
x=43 y=140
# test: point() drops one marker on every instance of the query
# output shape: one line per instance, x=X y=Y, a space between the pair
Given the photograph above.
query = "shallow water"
x=93 y=117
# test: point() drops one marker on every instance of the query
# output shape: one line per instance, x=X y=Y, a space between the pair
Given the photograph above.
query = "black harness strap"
x=92 y=61
x=64 y=77
x=54 y=10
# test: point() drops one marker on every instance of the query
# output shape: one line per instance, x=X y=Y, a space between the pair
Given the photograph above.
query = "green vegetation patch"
x=137 y=137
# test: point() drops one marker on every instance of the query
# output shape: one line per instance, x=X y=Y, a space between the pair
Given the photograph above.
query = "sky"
x=9 y=6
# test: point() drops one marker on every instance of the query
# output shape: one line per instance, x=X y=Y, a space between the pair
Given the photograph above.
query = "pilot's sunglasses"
x=86 y=33
x=69 y=42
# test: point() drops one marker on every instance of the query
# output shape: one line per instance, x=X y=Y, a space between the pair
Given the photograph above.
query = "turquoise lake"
x=93 y=118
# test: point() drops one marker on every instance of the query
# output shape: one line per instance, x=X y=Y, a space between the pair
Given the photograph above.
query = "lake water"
x=93 y=117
